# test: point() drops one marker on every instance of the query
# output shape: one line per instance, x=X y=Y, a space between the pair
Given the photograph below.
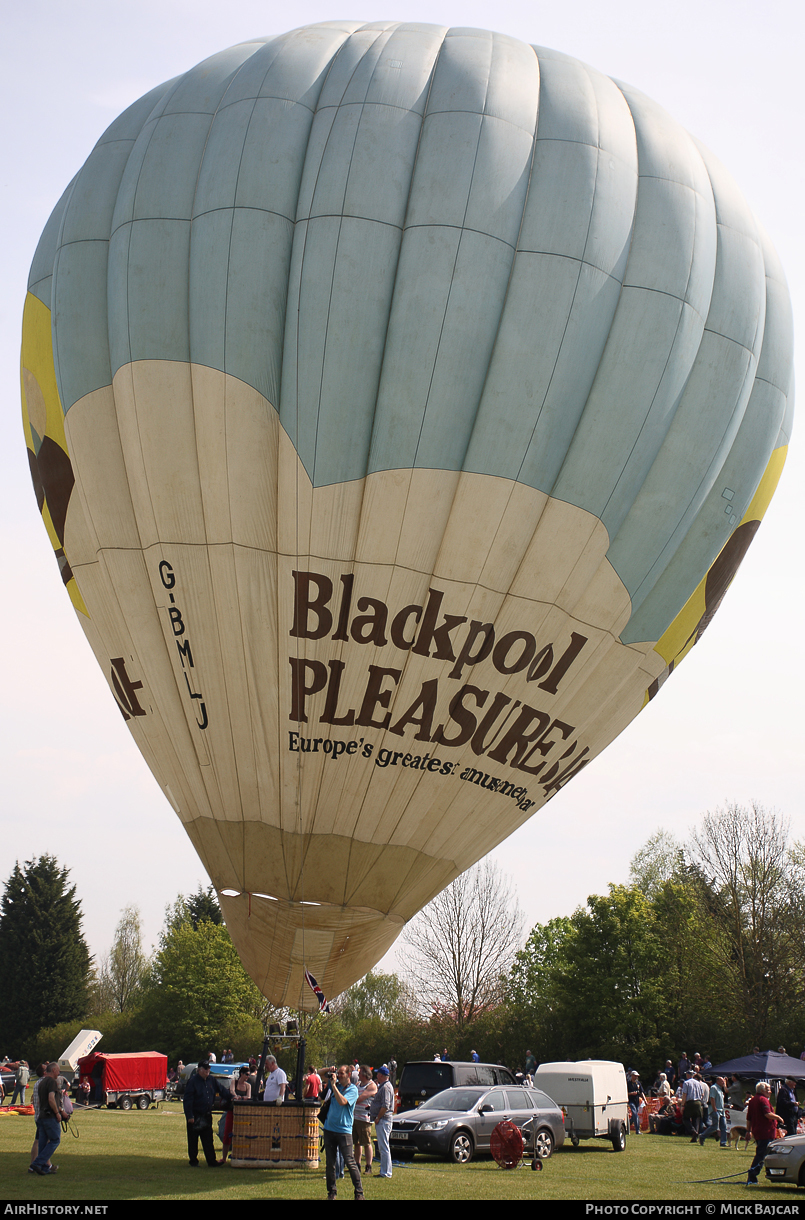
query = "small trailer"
x=123 y=1081
x=592 y=1094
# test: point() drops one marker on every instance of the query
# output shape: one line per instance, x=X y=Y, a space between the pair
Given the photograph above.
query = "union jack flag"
x=314 y=987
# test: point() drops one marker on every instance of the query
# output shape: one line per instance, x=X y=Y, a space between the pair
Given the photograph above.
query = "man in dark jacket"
x=786 y=1107
x=635 y=1095
x=199 y=1096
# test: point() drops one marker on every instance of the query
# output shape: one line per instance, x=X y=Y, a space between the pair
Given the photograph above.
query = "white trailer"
x=81 y=1045
x=592 y=1095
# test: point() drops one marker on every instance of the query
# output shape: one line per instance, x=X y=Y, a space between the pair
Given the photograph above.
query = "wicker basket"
x=284 y=1137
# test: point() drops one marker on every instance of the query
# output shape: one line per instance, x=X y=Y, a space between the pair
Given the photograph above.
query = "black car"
x=421 y=1079
x=459 y=1122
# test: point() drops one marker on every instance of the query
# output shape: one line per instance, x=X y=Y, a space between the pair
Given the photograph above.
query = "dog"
x=737 y=1133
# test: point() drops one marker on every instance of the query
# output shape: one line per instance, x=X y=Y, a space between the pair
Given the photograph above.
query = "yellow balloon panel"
x=697 y=613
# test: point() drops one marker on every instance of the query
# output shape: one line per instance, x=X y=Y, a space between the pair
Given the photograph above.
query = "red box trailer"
x=123 y=1081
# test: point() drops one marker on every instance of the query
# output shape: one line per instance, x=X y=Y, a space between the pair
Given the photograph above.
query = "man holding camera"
x=338 y=1129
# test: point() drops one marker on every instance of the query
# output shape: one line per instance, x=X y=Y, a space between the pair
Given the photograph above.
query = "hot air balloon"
x=399 y=401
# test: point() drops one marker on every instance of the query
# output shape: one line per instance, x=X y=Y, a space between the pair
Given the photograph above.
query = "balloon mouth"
x=279 y=938
x=270 y=897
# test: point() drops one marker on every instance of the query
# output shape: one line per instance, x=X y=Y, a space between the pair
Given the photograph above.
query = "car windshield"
x=453 y=1099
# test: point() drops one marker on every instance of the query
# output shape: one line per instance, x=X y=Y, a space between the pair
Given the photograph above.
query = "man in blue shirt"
x=338 y=1129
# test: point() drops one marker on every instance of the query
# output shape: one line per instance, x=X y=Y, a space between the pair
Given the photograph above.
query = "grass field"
x=143 y=1155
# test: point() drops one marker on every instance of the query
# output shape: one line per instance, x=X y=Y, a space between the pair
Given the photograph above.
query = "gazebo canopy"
x=765 y=1063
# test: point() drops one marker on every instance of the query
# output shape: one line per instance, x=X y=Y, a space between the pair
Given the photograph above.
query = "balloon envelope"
x=400 y=402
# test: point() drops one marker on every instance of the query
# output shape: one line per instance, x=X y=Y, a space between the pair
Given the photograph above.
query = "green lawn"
x=143 y=1155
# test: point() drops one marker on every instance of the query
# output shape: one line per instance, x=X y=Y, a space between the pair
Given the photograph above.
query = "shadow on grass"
x=143 y=1156
x=109 y=1178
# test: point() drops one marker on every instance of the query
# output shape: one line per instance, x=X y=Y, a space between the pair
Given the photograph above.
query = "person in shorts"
x=361 y=1124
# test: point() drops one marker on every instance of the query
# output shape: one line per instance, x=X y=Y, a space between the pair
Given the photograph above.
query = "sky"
x=727 y=726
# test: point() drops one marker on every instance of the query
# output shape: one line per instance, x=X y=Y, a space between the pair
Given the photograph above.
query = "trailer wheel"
x=124 y=1103
x=619 y=1139
x=143 y=1102
x=574 y=1139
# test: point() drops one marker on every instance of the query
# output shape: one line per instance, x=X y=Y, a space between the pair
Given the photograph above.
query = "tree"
x=203 y=905
x=461 y=945
x=101 y=996
x=695 y=970
x=198 y=996
x=750 y=884
x=46 y=963
x=609 y=981
x=531 y=992
x=127 y=964
x=368 y=1020
x=660 y=859
x=532 y=972
x=384 y=997
x=194 y=909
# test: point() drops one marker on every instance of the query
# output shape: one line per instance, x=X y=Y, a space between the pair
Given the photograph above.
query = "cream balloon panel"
x=230 y=605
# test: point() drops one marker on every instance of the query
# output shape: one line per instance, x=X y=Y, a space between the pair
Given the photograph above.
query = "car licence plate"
x=398 y=1135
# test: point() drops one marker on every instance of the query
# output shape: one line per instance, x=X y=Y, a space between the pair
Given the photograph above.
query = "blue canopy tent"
x=764 y=1065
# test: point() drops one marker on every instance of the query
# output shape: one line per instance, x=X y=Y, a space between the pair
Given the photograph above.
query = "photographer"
x=338 y=1129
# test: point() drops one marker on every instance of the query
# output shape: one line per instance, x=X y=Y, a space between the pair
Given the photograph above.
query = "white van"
x=592 y=1094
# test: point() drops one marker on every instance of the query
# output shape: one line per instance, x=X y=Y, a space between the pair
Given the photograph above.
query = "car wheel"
x=124 y=1103
x=462 y=1148
x=801 y=1178
x=619 y=1139
x=143 y=1102
x=544 y=1144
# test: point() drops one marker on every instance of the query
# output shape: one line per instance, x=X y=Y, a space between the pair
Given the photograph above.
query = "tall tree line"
x=704 y=949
